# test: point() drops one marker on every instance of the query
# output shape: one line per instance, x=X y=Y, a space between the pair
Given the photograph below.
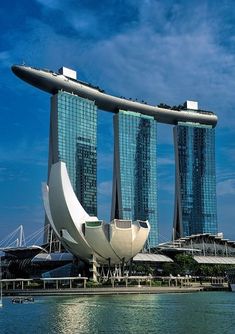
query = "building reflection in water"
x=101 y=314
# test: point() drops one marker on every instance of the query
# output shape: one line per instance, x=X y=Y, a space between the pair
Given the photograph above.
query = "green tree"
x=186 y=264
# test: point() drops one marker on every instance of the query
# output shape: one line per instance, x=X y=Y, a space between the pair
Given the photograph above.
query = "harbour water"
x=194 y=313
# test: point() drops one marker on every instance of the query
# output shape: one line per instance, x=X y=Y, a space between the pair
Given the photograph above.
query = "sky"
x=159 y=51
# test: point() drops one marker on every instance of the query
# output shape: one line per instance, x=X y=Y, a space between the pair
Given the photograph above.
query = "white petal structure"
x=45 y=197
x=86 y=236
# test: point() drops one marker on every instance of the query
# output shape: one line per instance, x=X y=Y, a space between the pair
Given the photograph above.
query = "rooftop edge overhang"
x=52 y=82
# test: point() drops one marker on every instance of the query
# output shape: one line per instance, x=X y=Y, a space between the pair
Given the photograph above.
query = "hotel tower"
x=195 y=179
x=135 y=170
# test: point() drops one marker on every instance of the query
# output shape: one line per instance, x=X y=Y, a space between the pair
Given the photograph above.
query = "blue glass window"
x=196 y=210
x=76 y=133
x=135 y=170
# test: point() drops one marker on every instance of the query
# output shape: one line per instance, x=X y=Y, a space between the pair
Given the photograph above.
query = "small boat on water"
x=21 y=300
x=231 y=279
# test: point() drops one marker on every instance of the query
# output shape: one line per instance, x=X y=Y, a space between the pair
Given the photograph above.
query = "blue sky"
x=158 y=51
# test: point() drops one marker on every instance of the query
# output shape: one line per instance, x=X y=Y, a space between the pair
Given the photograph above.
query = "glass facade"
x=73 y=140
x=135 y=170
x=195 y=205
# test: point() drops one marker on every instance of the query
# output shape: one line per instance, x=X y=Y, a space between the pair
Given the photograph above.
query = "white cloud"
x=156 y=60
x=168 y=187
x=226 y=187
x=105 y=161
x=51 y=4
x=165 y=161
x=105 y=188
x=26 y=152
x=4 y=58
x=104 y=211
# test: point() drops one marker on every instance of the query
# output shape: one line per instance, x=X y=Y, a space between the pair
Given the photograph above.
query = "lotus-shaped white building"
x=85 y=236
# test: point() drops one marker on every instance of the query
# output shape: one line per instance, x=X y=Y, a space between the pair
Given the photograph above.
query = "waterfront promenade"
x=118 y=285
x=121 y=290
x=100 y=291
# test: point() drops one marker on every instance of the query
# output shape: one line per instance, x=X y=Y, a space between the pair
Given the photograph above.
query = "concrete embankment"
x=101 y=291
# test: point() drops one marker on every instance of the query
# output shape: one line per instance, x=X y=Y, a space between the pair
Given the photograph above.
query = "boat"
x=231 y=279
x=22 y=300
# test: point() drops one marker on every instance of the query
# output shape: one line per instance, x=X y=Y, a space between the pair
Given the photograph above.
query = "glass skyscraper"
x=135 y=170
x=73 y=140
x=195 y=183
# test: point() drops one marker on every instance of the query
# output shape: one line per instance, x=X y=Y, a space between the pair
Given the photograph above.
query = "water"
x=192 y=313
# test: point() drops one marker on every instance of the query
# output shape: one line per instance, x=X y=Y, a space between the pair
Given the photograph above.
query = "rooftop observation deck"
x=52 y=82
